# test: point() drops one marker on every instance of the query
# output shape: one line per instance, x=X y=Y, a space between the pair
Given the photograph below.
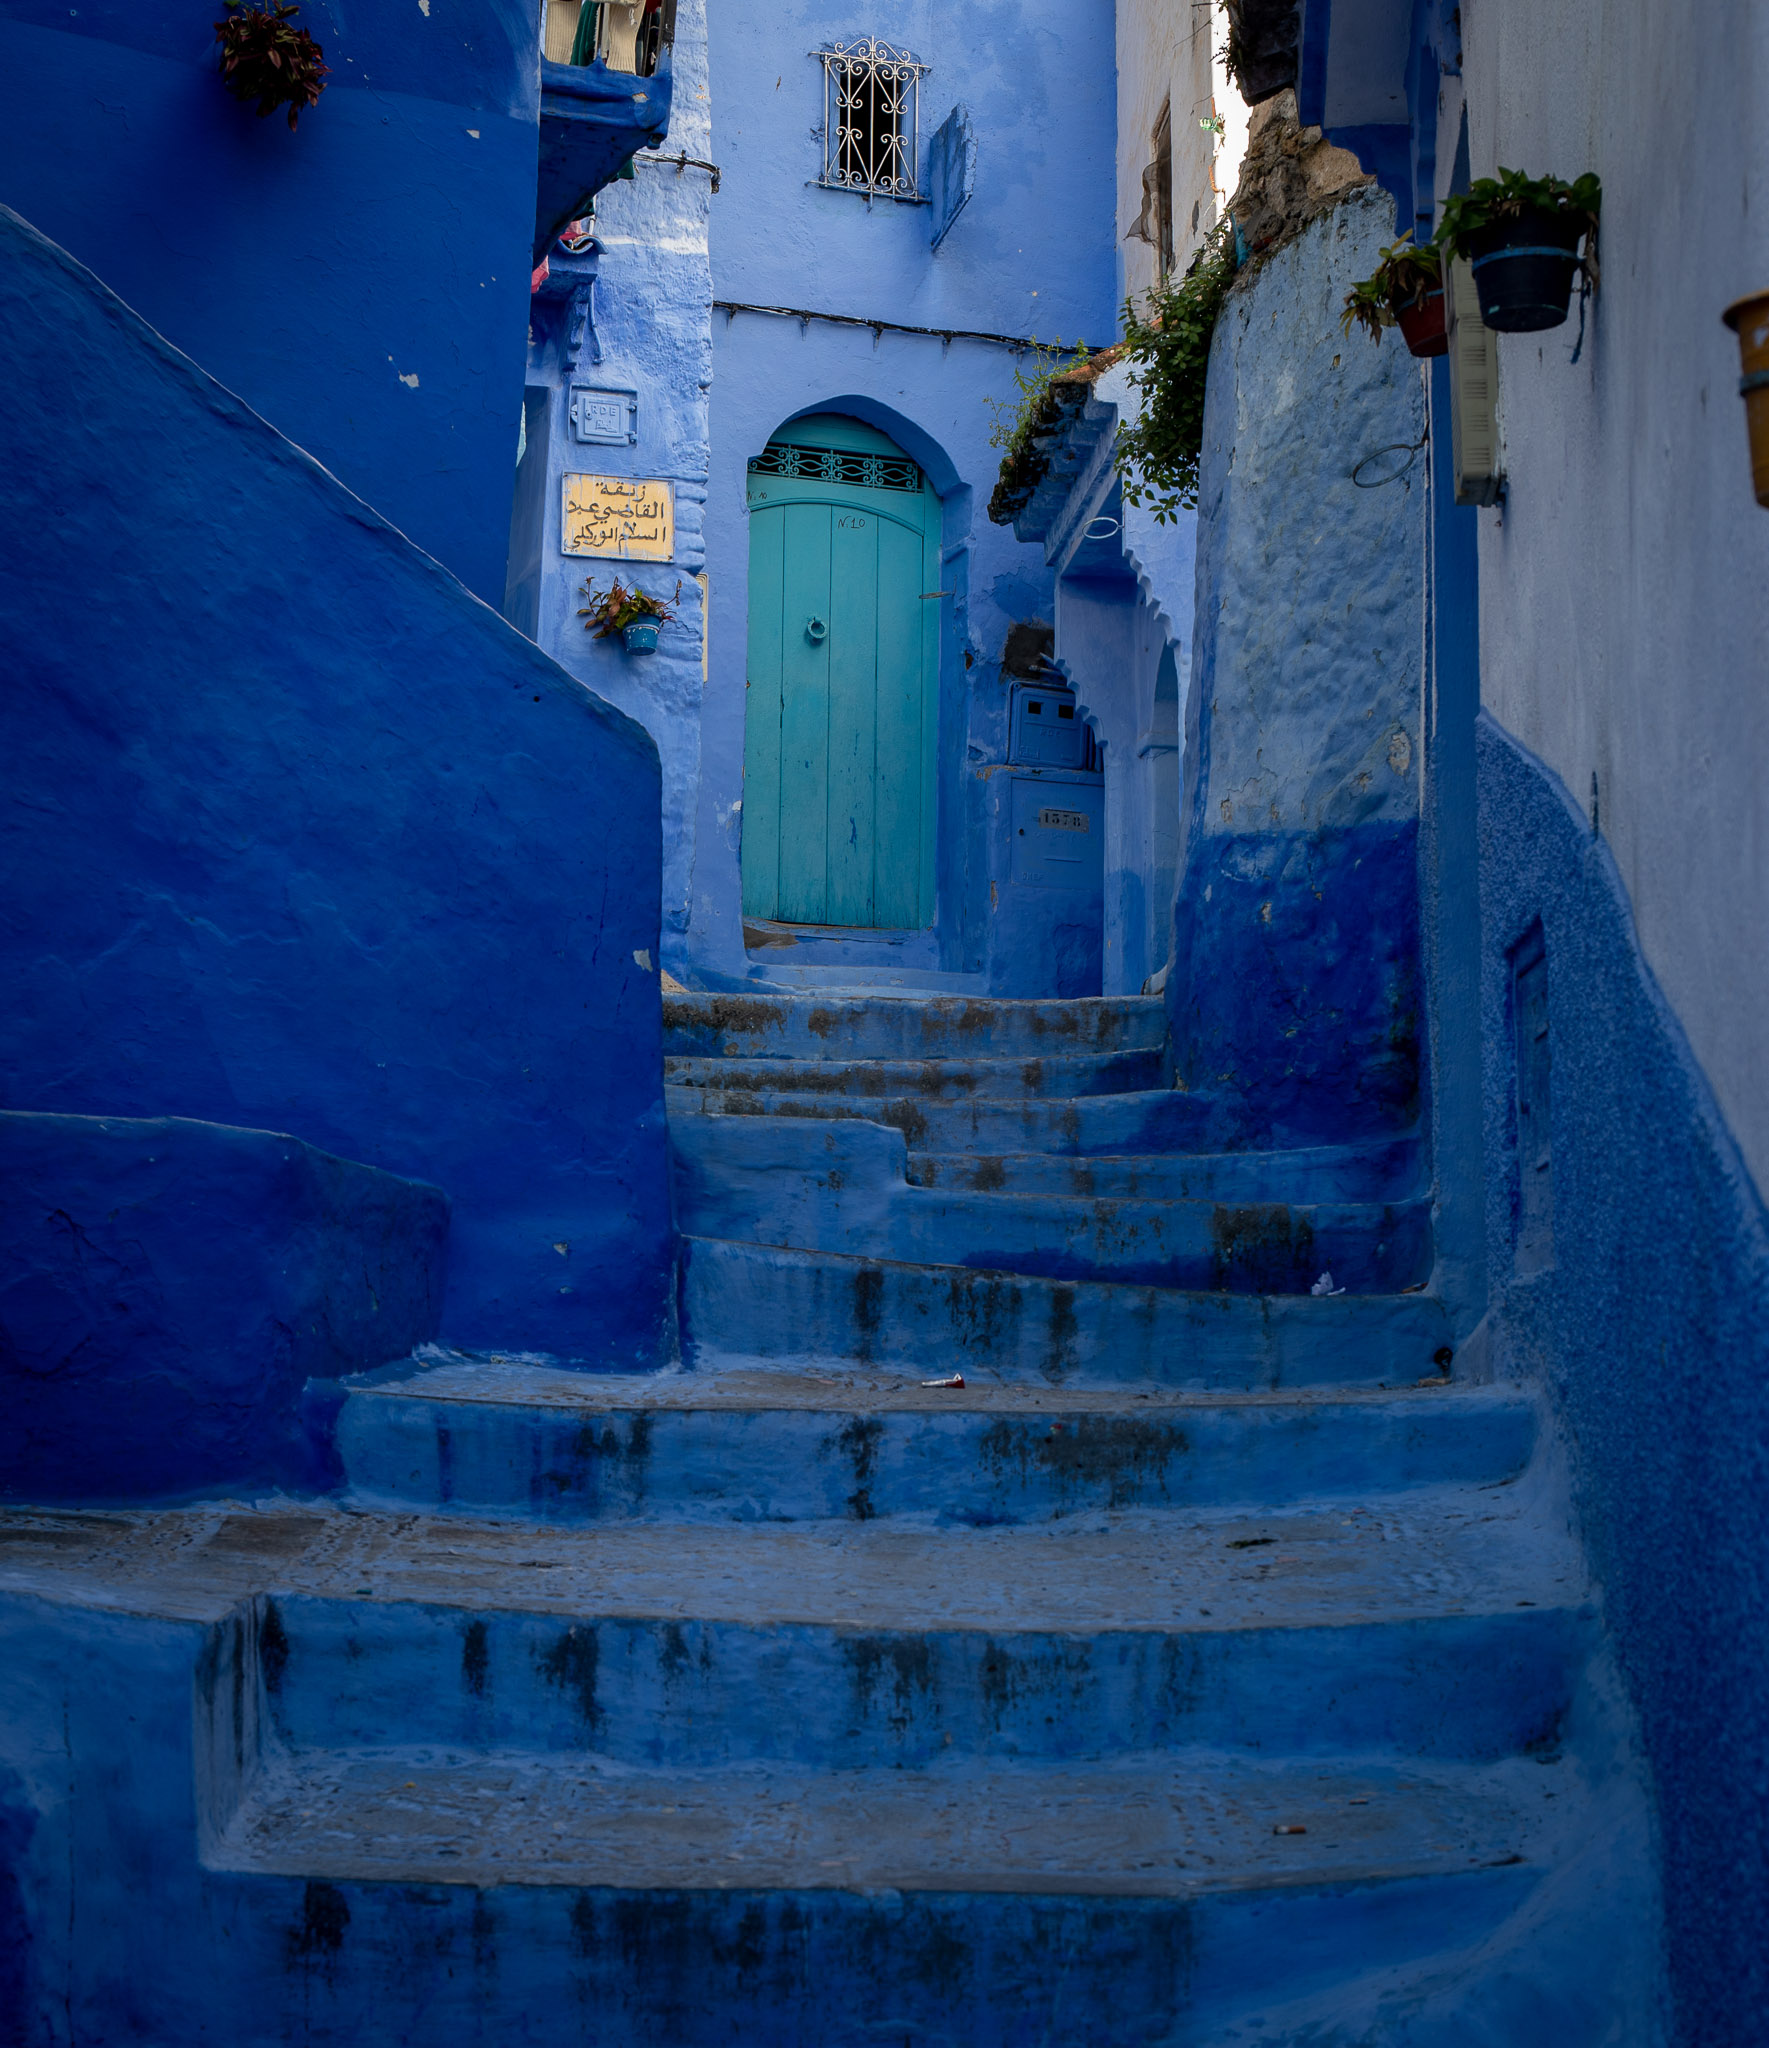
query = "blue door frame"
x=842 y=708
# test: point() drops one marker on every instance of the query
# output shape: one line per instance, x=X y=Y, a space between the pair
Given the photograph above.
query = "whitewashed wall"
x=1625 y=582
x=1166 y=55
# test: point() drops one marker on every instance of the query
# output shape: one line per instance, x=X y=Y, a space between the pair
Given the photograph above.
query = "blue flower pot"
x=1523 y=270
x=640 y=636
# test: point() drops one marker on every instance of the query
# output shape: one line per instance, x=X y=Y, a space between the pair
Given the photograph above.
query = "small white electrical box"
x=1474 y=394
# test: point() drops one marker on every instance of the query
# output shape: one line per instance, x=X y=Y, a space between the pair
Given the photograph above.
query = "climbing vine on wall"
x=1167 y=345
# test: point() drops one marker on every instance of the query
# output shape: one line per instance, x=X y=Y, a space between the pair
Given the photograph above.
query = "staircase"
x=1042 y=1613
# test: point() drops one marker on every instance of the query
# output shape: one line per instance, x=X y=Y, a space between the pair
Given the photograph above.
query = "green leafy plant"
x=618 y=607
x=265 y=57
x=1019 y=421
x=1489 y=202
x=1168 y=344
x=1403 y=277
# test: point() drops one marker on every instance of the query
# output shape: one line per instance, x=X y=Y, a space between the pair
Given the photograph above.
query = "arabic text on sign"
x=630 y=519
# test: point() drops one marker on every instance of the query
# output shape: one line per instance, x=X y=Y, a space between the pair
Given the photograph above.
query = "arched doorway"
x=843 y=682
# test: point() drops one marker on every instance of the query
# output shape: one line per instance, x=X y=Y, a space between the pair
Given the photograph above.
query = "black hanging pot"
x=1523 y=269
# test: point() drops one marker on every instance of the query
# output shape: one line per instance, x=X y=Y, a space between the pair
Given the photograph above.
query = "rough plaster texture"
x=360 y=282
x=650 y=335
x=1031 y=255
x=305 y=837
x=171 y=1287
x=1625 y=587
x=1295 y=971
x=1647 y=1329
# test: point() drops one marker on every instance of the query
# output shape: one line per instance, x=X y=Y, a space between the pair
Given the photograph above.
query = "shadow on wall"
x=305 y=838
x=1634 y=1284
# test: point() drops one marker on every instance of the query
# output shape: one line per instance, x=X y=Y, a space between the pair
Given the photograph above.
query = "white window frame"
x=868 y=63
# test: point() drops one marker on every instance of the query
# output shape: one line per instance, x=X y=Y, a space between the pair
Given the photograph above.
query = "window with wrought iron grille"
x=871 y=119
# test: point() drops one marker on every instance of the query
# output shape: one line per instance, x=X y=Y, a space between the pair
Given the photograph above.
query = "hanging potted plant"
x=265 y=57
x=1522 y=238
x=634 y=614
x=1405 y=290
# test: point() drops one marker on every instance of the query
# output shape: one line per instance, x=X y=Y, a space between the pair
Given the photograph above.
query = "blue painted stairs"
x=1212 y=1666
x=1015 y=1188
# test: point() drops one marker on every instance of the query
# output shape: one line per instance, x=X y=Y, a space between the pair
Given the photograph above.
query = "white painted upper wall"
x=1166 y=59
x=1625 y=584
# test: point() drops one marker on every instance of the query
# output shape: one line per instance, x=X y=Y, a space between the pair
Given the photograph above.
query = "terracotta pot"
x=1523 y=270
x=1422 y=325
x=1749 y=320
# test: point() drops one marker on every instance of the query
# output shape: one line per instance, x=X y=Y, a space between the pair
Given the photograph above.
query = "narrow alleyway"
x=1195 y=1605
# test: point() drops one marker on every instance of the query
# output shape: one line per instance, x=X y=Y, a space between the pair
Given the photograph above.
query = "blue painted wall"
x=305 y=838
x=1647 y=1328
x=1030 y=255
x=363 y=282
x=649 y=335
x=168 y=1290
x=1295 y=979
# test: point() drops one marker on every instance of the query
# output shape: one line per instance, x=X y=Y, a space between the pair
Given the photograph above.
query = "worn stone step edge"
x=756 y=1303
x=906 y=1026
x=1143 y=1120
x=1144 y=1826
x=491 y=1442
x=1383 y=1170
x=1056 y=1076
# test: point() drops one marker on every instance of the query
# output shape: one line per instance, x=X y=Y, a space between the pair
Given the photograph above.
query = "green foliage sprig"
x=1018 y=421
x=1490 y=201
x=1403 y=276
x=265 y=57
x=618 y=607
x=1168 y=345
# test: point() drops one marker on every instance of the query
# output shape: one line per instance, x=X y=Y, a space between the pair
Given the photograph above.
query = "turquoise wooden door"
x=839 y=721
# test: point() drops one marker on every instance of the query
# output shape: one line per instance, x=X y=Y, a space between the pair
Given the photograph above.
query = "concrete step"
x=1383 y=1170
x=1452 y=1625
x=1016 y=1078
x=309 y=1872
x=1429 y=1634
x=1150 y=1826
x=476 y=1438
x=750 y=1303
x=1144 y=1120
x=842 y=1188
x=572 y=1901
x=895 y=1027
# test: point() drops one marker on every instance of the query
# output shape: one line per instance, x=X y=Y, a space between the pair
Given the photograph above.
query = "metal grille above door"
x=837 y=466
